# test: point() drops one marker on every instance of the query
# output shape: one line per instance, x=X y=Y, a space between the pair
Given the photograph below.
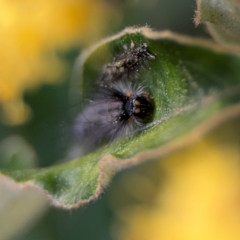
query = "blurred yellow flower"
x=31 y=31
x=198 y=199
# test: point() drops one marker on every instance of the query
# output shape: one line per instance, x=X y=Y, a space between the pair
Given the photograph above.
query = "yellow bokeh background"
x=31 y=33
x=197 y=196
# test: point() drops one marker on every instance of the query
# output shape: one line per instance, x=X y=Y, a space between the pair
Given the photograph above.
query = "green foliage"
x=195 y=85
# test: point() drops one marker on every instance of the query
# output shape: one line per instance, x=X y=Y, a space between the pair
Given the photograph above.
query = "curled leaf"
x=195 y=86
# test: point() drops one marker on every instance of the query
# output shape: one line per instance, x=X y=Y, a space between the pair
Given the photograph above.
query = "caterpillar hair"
x=116 y=111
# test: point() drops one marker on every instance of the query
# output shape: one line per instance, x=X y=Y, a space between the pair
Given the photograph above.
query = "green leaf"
x=195 y=85
x=19 y=209
x=222 y=18
x=16 y=154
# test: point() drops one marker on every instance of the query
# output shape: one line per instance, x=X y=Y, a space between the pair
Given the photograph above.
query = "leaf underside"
x=222 y=19
x=191 y=81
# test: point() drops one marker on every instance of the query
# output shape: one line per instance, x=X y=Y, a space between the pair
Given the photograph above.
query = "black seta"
x=116 y=111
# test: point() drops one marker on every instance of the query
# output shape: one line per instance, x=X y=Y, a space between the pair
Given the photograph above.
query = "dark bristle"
x=110 y=109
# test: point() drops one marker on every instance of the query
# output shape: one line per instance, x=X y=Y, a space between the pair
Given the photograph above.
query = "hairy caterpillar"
x=127 y=65
x=120 y=105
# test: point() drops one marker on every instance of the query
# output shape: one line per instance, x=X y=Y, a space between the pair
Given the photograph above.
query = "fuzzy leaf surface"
x=195 y=85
